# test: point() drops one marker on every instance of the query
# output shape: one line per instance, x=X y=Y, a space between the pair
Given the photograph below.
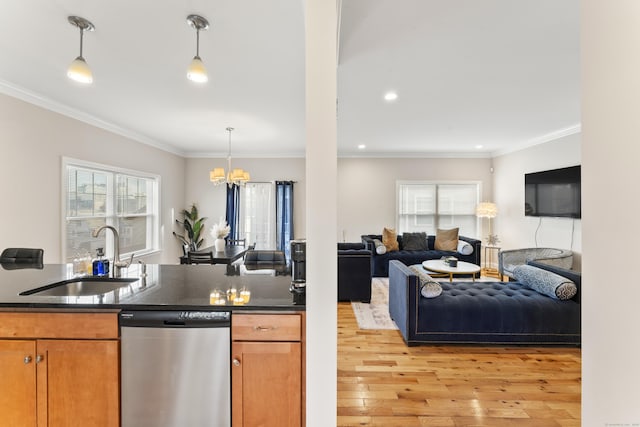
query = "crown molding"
x=25 y=95
x=560 y=133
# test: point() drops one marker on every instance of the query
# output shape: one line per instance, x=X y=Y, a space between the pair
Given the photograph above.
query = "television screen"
x=554 y=193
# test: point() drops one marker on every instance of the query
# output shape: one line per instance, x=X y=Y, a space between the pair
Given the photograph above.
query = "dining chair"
x=200 y=258
x=236 y=242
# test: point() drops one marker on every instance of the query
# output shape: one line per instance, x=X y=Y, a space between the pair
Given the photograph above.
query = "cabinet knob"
x=39 y=358
x=264 y=328
x=236 y=362
x=27 y=360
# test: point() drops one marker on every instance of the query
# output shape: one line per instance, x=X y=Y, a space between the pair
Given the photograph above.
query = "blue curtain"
x=233 y=211
x=284 y=216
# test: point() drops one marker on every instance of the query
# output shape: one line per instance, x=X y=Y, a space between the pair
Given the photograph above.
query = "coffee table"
x=439 y=266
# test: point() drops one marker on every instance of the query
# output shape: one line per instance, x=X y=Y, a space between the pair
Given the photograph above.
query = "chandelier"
x=233 y=176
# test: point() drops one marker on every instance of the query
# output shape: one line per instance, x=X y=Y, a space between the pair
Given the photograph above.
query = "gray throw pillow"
x=414 y=241
x=545 y=282
x=429 y=288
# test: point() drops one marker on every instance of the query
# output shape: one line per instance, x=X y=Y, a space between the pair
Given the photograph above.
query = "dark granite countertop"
x=168 y=287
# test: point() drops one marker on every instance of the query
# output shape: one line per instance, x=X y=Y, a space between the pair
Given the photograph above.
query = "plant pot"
x=219 y=245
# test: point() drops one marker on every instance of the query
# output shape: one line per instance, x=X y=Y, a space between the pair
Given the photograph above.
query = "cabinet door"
x=266 y=384
x=78 y=383
x=18 y=383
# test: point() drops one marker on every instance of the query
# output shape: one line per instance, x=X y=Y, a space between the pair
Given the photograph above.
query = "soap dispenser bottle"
x=100 y=264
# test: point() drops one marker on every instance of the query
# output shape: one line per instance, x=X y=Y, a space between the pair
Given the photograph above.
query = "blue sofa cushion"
x=545 y=282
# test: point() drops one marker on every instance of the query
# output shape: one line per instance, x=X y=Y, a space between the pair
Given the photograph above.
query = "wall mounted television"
x=553 y=193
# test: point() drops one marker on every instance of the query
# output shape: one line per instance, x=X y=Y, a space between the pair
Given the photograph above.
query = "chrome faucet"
x=117 y=264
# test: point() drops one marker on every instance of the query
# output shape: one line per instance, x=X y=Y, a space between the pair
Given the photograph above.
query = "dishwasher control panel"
x=175 y=318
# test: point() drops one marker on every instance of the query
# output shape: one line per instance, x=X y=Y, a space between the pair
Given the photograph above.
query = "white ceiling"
x=498 y=73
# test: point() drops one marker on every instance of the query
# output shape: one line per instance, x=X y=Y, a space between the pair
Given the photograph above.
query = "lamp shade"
x=197 y=72
x=486 y=210
x=80 y=71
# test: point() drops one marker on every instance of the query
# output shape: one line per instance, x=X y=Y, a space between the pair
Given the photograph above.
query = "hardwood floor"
x=382 y=382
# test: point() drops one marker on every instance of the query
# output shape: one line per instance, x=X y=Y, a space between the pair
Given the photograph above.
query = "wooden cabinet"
x=267 y=373
x=59 y=369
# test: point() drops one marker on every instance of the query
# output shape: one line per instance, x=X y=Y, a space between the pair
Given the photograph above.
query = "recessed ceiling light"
x=479 y=146
x=361 y=146
x=390 y=96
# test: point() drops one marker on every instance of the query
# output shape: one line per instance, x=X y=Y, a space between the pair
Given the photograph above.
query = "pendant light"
x=79 y=70
x=196 y=71
x=233 y=176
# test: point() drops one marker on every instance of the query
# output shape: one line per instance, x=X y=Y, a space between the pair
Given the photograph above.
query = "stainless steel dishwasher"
x=175 y=368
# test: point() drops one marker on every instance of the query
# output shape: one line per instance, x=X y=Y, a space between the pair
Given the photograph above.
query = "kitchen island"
x=62 y=349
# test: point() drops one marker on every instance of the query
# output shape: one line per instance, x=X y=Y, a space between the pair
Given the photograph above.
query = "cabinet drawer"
x=59 y=325
x=265 y=327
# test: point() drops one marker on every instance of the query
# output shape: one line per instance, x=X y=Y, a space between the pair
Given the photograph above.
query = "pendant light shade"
x=197 y=71
x=79 y=70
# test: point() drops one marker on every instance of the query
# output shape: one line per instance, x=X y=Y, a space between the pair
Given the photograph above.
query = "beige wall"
x=367 y=188
x=513 y=228
x=211 y=200
x=33 y=142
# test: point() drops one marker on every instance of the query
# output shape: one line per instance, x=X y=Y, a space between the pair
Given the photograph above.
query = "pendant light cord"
x=81 y=38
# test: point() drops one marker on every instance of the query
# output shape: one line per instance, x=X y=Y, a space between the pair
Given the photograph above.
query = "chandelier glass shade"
x=233 y=176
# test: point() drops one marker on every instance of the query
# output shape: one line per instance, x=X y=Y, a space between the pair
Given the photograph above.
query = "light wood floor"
x=383 y=382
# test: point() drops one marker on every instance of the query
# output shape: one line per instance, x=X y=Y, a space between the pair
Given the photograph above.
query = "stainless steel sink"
x=81 y=286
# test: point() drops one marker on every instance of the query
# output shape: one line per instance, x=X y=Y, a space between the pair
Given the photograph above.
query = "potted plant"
x=193 y=227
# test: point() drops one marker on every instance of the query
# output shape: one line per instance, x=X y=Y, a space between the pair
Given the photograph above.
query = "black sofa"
x=354 y=272
x=380 y=263
x=483 y=312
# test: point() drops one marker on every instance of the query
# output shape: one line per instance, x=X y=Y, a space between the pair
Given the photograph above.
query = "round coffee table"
x=439 y=266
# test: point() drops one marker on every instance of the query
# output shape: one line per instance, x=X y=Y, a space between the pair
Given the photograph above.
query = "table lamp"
x=488 y=210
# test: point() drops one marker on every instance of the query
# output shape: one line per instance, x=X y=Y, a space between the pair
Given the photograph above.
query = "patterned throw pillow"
x=545 y=282
x=446 y=240
x=429 y=288
x=390 y=239
x=414 y=241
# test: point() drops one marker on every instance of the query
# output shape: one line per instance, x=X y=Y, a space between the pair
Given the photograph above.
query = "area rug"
x=375 y=315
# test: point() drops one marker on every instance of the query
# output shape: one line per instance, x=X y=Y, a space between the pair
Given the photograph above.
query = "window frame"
x=436 y=215
x=111 y=212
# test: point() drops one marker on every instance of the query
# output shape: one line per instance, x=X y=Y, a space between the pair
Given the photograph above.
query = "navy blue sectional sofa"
x=380 y=263
x=483 y=312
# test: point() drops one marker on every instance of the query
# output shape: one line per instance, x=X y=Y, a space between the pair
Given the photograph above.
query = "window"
x=97 y=195
x=258 y=214
x=427 y=206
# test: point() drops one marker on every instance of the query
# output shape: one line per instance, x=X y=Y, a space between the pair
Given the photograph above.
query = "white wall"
x=211 y=200
x=513 y=228
x=367 y=188
x=610 y=39
x=34 y=140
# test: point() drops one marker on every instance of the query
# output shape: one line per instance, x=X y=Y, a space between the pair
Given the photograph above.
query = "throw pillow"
x=414 y=241
x=446 y=240
x=380 y=247
x=390 y=239
x=429 y=288
x=545 y=282
x=464 y=248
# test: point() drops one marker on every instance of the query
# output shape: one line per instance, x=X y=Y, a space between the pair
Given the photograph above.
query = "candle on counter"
x=245 y=294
